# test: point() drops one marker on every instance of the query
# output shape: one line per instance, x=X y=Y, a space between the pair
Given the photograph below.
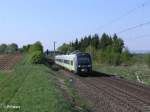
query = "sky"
x=28 y=21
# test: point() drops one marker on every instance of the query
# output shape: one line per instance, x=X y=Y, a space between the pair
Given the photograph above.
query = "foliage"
x=11 y=48
x=8 y=48
x=36 y=47
x=64 y=48
x=92 y=50
x=148 y=59
x=127 y=72
x=126 y=56
x=25 y=48
x=36 y=57
x=35 y=53
x=33 y=89
x=117 y=44
x=104 y=49
x=105 y=41
x=3 y=48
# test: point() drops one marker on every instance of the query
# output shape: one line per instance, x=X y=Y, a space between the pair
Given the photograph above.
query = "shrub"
x=12 y=48
x=3 y=48
x=36 y=57
x=126 y=56
x=148 y=60
x=114 y=58
x=108 y=56
x=36 y=47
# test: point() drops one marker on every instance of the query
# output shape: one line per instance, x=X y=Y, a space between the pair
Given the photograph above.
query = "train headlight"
x=89 y=65
x=79 y=65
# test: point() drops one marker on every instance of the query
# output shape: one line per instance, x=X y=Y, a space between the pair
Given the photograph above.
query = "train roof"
x=73 y=55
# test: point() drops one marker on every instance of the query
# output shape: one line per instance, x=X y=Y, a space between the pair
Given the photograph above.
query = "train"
x=77 y=62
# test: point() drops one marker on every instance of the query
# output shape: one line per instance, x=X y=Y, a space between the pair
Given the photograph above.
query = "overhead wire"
x=134 y=27
x=127 y=13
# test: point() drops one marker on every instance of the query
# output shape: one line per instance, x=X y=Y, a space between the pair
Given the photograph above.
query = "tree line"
x=34 y=51
x=10 y=48
x=104 y=49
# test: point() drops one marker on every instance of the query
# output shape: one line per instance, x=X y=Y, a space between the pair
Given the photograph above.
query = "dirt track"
x=111 y=94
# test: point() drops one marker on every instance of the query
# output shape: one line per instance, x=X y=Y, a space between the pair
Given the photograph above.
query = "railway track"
x=120 y=94
x=134 y=89
x=132 y=97
x=134 y=84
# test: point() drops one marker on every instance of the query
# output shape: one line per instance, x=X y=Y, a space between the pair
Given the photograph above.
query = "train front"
x=84 y=63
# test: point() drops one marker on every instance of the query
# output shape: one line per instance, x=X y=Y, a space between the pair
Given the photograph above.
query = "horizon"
x=25 y=22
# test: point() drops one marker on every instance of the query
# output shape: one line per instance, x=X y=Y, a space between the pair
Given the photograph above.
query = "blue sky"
x=27 y=21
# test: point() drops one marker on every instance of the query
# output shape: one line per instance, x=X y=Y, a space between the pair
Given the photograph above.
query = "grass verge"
x=70 y=93
x=134 y=72
x=31 y=88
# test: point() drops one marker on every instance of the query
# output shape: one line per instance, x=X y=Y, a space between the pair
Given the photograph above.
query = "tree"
x=36 y=57
x=118 y=44
x=11 y=48
x=105 y=41
x=25 y=48
x=76 y=45
x=91 y=50
x=3 y=48
x=36 y=47
x=125 y=56
x=107 y=49
x=64 y=48
x=84 y=43
x=148 y=60
x=95 y=41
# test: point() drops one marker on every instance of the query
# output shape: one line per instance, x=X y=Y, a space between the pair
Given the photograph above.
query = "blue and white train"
x=76 y=62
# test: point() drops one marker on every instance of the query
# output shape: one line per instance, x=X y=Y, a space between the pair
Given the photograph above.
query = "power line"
x=127 y=13
x=134 y=27
x=137 y=37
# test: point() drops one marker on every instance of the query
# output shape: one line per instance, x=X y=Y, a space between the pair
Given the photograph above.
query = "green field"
x=31 y=88
x=128 y=72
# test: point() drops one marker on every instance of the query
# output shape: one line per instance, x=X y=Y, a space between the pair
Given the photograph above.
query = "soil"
x=107 y=93
x=7 y=61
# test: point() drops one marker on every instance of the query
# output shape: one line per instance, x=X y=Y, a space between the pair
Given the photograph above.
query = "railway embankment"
x=108 y=93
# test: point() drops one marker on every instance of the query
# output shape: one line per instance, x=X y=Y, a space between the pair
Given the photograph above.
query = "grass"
x=31 y=88
x=80 y=102
x=67 y=86
x=128 y=72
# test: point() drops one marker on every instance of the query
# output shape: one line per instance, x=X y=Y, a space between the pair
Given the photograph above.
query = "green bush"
x=114 y=58
x=12 y=48
x=36 y=47
x=126 y=56
x=36 y=57
x=108 y=56
x=148 y=60
x=3 y=48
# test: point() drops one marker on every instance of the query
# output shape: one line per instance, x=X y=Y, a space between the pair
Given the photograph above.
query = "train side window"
x=71 y=62
x=67 y=61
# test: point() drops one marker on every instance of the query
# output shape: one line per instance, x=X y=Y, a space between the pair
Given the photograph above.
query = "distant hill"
x=140 y=51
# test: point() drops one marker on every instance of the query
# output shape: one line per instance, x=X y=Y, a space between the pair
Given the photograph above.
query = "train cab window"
x=83 y=60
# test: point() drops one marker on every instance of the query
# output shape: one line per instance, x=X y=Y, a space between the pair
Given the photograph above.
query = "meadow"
x=31 y=88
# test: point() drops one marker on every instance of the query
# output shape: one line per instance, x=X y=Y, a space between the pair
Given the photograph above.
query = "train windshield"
x=84 y=60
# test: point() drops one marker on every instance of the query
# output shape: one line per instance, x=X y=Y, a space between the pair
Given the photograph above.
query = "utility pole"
x=91 y=49
x=54 y=48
